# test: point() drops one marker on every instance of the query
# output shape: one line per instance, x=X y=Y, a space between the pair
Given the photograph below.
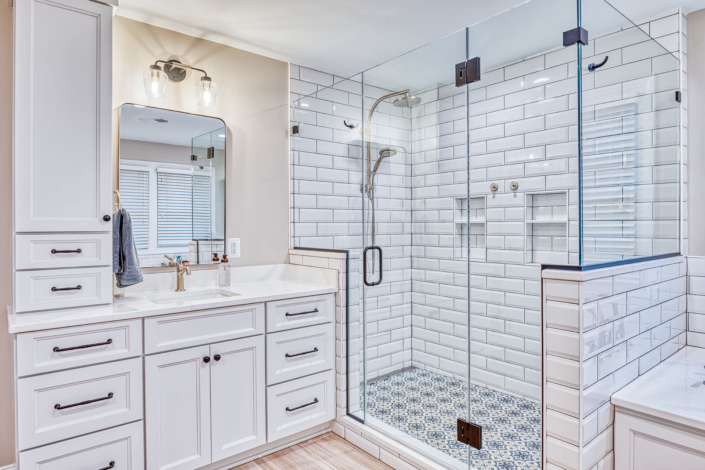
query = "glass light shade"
x=207 y=92
x=154 y=81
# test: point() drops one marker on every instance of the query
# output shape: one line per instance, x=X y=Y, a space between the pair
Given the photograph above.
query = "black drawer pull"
x=315 y=350
x=315 y=400
x=61 y=289
x=87 y=402
x=55 y=252
x=94 y=345
x=315 y=310
x=112 y=465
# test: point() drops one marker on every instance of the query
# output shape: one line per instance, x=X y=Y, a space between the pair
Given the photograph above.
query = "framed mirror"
x=172 y=183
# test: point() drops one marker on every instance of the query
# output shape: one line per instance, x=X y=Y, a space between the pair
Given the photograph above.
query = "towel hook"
x=592 y=67
x=118 y=205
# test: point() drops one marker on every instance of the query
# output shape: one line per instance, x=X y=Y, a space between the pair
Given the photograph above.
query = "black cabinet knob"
x=106 y=218
x=216 y=357
x=206 y=359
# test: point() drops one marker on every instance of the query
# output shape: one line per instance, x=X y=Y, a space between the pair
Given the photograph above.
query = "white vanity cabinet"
x=642 y=442
x=205 y=403
x=177 y=391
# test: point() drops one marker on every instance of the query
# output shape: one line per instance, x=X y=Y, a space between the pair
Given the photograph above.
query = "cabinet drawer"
x=41 y=290
x=123 y=445
x=63 y=250
x=61 y=405
x=296 y=353
x=63 y=348
x=295 y=313
x=182 y=330
x=300 y=404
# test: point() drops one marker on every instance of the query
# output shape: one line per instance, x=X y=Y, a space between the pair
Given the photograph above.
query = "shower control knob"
x=494 y=187
x=513 y=185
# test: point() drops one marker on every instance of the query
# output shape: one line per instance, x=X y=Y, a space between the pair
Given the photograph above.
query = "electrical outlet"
x=233 y=247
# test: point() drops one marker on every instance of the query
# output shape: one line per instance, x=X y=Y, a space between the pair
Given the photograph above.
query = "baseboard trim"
x=382 y=447
x=266 y=449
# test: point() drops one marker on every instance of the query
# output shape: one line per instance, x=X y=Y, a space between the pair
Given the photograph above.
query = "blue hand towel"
x=126 y=263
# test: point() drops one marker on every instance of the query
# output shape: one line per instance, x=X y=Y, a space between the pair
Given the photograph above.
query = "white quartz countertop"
x=146 y=304
x=673 y=390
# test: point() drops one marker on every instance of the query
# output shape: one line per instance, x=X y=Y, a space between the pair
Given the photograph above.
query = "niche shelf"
x=546 y=227
x=469 y=217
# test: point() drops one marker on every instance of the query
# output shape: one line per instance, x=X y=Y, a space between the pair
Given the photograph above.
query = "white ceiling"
x=138 y=123
x=346 y=37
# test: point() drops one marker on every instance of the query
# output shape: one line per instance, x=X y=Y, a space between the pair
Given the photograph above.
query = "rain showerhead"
x=407 y=101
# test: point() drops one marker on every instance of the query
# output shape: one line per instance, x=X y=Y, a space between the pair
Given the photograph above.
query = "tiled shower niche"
x=546 y=216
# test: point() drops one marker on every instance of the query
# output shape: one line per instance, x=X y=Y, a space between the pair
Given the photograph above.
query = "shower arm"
x=368 y=132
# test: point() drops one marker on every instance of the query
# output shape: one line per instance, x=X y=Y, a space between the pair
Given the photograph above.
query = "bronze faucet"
x=180 y=270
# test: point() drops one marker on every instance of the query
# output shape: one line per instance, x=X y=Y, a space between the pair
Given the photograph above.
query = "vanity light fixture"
x=155 y=81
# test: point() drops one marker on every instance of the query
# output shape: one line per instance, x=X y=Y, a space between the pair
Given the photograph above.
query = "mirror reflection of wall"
x=172 y=182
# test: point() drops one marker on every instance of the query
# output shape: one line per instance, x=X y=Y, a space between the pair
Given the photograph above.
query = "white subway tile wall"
x=522 y=128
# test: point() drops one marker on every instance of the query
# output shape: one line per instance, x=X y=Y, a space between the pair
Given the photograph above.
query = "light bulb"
x=154 y=81
x=207 y=92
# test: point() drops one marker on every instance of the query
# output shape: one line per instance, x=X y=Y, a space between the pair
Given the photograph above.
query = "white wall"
x=7 y=413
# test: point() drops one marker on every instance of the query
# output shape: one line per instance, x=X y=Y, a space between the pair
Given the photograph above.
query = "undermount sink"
x=190 y=297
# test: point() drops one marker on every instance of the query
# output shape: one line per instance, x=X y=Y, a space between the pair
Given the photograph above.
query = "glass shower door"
x=523 y=200
x=414 y=254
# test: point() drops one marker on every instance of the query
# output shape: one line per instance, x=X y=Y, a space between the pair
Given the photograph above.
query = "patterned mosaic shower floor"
x=426 y=405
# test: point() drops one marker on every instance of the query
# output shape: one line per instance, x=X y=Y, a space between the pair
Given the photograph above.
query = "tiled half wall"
x=603 y=329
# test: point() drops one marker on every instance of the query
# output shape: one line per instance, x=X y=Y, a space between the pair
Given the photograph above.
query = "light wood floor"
x=325 y=452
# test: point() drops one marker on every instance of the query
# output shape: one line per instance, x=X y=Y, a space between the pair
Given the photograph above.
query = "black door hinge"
x=467 y=72
x=575 y=35
x=678 y=96
x=295 y=130
x=194 y=158
x=470 y=434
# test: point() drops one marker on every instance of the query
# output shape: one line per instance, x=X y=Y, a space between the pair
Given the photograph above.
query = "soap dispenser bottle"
x=224 y=272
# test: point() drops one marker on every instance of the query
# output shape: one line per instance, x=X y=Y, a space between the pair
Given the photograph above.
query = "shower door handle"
x=364 y=266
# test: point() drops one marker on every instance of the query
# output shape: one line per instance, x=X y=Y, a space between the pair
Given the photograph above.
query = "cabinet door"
x=238 y=417
x=62 y=116
x=177 y=409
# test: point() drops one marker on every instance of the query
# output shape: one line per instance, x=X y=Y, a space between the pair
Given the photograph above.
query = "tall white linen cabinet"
x=62 y=154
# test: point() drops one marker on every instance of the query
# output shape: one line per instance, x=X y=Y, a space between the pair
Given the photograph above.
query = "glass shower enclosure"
x=452 y=175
